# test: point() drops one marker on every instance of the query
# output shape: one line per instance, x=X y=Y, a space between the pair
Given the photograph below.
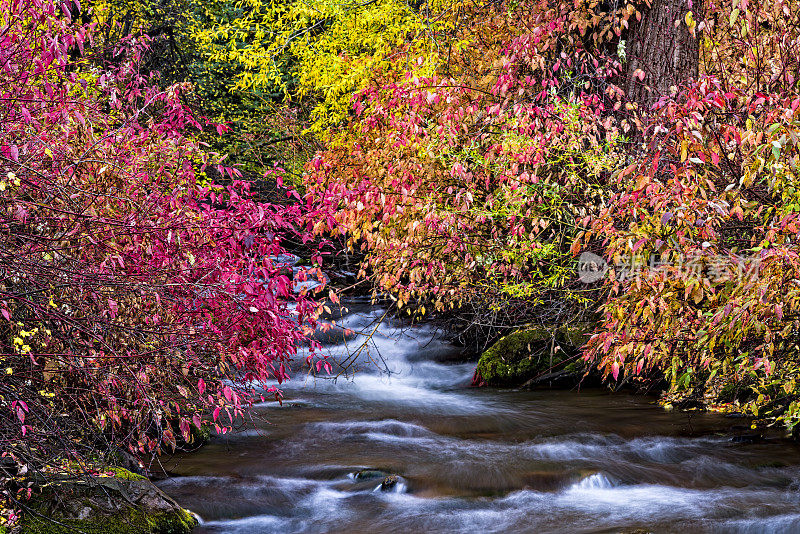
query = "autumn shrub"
x=466 y=188
x=701 y=228
x=138 y=301
x=702 y=232
x=479 y=184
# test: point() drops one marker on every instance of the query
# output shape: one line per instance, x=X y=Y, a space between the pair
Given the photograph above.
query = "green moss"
x=125 y=503
x=574 y=335
x=172 y=523
x=576 y=366
x=133 y=521
x=123 y=474
x=524 y=354
x=202 y=435
x=515 y=358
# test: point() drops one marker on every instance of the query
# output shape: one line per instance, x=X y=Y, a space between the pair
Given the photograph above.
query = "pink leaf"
x=112 y=305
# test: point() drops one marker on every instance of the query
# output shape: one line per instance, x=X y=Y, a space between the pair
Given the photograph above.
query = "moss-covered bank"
x=130 y=522
x=125 y=503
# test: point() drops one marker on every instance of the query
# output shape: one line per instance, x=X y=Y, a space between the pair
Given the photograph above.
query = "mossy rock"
x=575 y=335
x=120 y=473
x=125 y=503
x=368 y=474
x=131 y=522
x=524 y=355
x=515 y=358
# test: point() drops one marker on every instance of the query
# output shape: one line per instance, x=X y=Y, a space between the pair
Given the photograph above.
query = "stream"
x=477 y=459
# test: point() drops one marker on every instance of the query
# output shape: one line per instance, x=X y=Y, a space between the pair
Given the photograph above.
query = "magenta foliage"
x=138 y=298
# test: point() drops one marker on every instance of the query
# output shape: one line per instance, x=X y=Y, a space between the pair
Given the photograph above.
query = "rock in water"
x=367 y=474
x=393 y=484
x=389 y=483
x=532 y=356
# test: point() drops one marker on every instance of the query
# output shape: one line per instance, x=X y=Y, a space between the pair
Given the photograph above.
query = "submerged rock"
x=393 y=484
x=595 y=481
x=125 y=503
x=389 y=482
x=367 y=474
x=534 y=356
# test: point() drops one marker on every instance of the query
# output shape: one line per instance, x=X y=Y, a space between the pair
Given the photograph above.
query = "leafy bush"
x=137 y=301
x=478 y=185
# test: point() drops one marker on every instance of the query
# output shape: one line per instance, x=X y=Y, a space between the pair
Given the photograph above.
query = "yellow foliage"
x=320 y=48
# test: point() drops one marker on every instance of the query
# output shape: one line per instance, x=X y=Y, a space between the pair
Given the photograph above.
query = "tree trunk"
x=666 y=54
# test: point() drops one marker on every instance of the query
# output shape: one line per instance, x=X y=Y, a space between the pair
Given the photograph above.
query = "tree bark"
x=662 y=46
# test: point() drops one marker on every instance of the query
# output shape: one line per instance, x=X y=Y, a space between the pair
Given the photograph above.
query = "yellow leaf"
x=689 y=19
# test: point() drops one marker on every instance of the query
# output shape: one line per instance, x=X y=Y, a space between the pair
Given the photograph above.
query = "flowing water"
x=477 y=460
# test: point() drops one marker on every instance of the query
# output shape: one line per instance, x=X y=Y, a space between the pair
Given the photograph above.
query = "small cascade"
x=595 y=481
x=392 y=484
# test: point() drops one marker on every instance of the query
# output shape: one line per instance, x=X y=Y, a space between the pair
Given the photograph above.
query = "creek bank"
x=536 y=356
x=115 y=502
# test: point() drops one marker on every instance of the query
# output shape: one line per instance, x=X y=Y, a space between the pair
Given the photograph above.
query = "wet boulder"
x=369 y=474
x=366 y=480
x=389 y=483
x=534 y=356
x=393 y=484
